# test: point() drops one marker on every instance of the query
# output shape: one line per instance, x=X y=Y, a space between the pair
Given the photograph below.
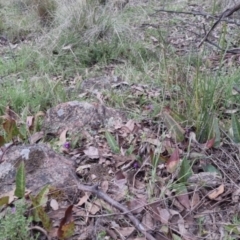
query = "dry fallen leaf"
x=210 y=143
x=124 y=231
x=104 y=186
x=216 y=192
x=92 y=152
x=130 y=125
x=84 y=199
x=164 y=215
x=63 y=137
x=173 y=161
x=148 y=221
x=195 y=200
x=183 y=198
x=36 y=137
x=181 y=226
x=30 y=122
x=54 y=204
x=155 y=142
x=236 y=195
x=92 y=208
x=80 y=169
x=119 y=175
x=136 y=205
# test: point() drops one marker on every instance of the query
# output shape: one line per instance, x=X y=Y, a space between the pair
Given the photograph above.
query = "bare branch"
x=197 y=13
x=183 y=12
x=233 y=50
x=95 y=190
x=225 y=14
x=43 y=231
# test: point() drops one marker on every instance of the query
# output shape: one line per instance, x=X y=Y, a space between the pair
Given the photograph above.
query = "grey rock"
x=76 y=116
x=42 y=165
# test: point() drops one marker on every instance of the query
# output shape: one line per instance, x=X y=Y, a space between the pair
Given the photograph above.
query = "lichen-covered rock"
x=43 y=166
x=76 y=115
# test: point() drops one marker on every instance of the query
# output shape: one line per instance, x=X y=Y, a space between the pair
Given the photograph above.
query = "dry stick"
x=43 y=231
x=197 y=14
x=226 y=13
x=233 y=50
x=95 y=190
x=183 y=12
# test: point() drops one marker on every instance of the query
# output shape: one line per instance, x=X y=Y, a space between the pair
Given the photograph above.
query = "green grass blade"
x=185 y=170
x=217 y=133
x=173 y=126
x=112 y=142
x=236 y=129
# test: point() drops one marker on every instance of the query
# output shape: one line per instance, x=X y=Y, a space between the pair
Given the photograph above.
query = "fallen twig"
x=233 y=50
x=183 y=12
x=43 y=231
x=225 y=14
x=100 y=194
x=196 y=13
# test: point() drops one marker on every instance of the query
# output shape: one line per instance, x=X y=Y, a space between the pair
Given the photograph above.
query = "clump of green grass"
x=34 y=94
x=17 y=22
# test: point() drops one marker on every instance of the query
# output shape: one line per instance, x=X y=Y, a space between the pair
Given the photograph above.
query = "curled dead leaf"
x=173 y=161
x=216 y=192
x=63 y=137
x=210 y=143
x=30 y=122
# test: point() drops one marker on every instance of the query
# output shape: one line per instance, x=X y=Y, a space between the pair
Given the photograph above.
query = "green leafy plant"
x=39 y=203
x=15 y=225
x=20 y=181
x=19 y=221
